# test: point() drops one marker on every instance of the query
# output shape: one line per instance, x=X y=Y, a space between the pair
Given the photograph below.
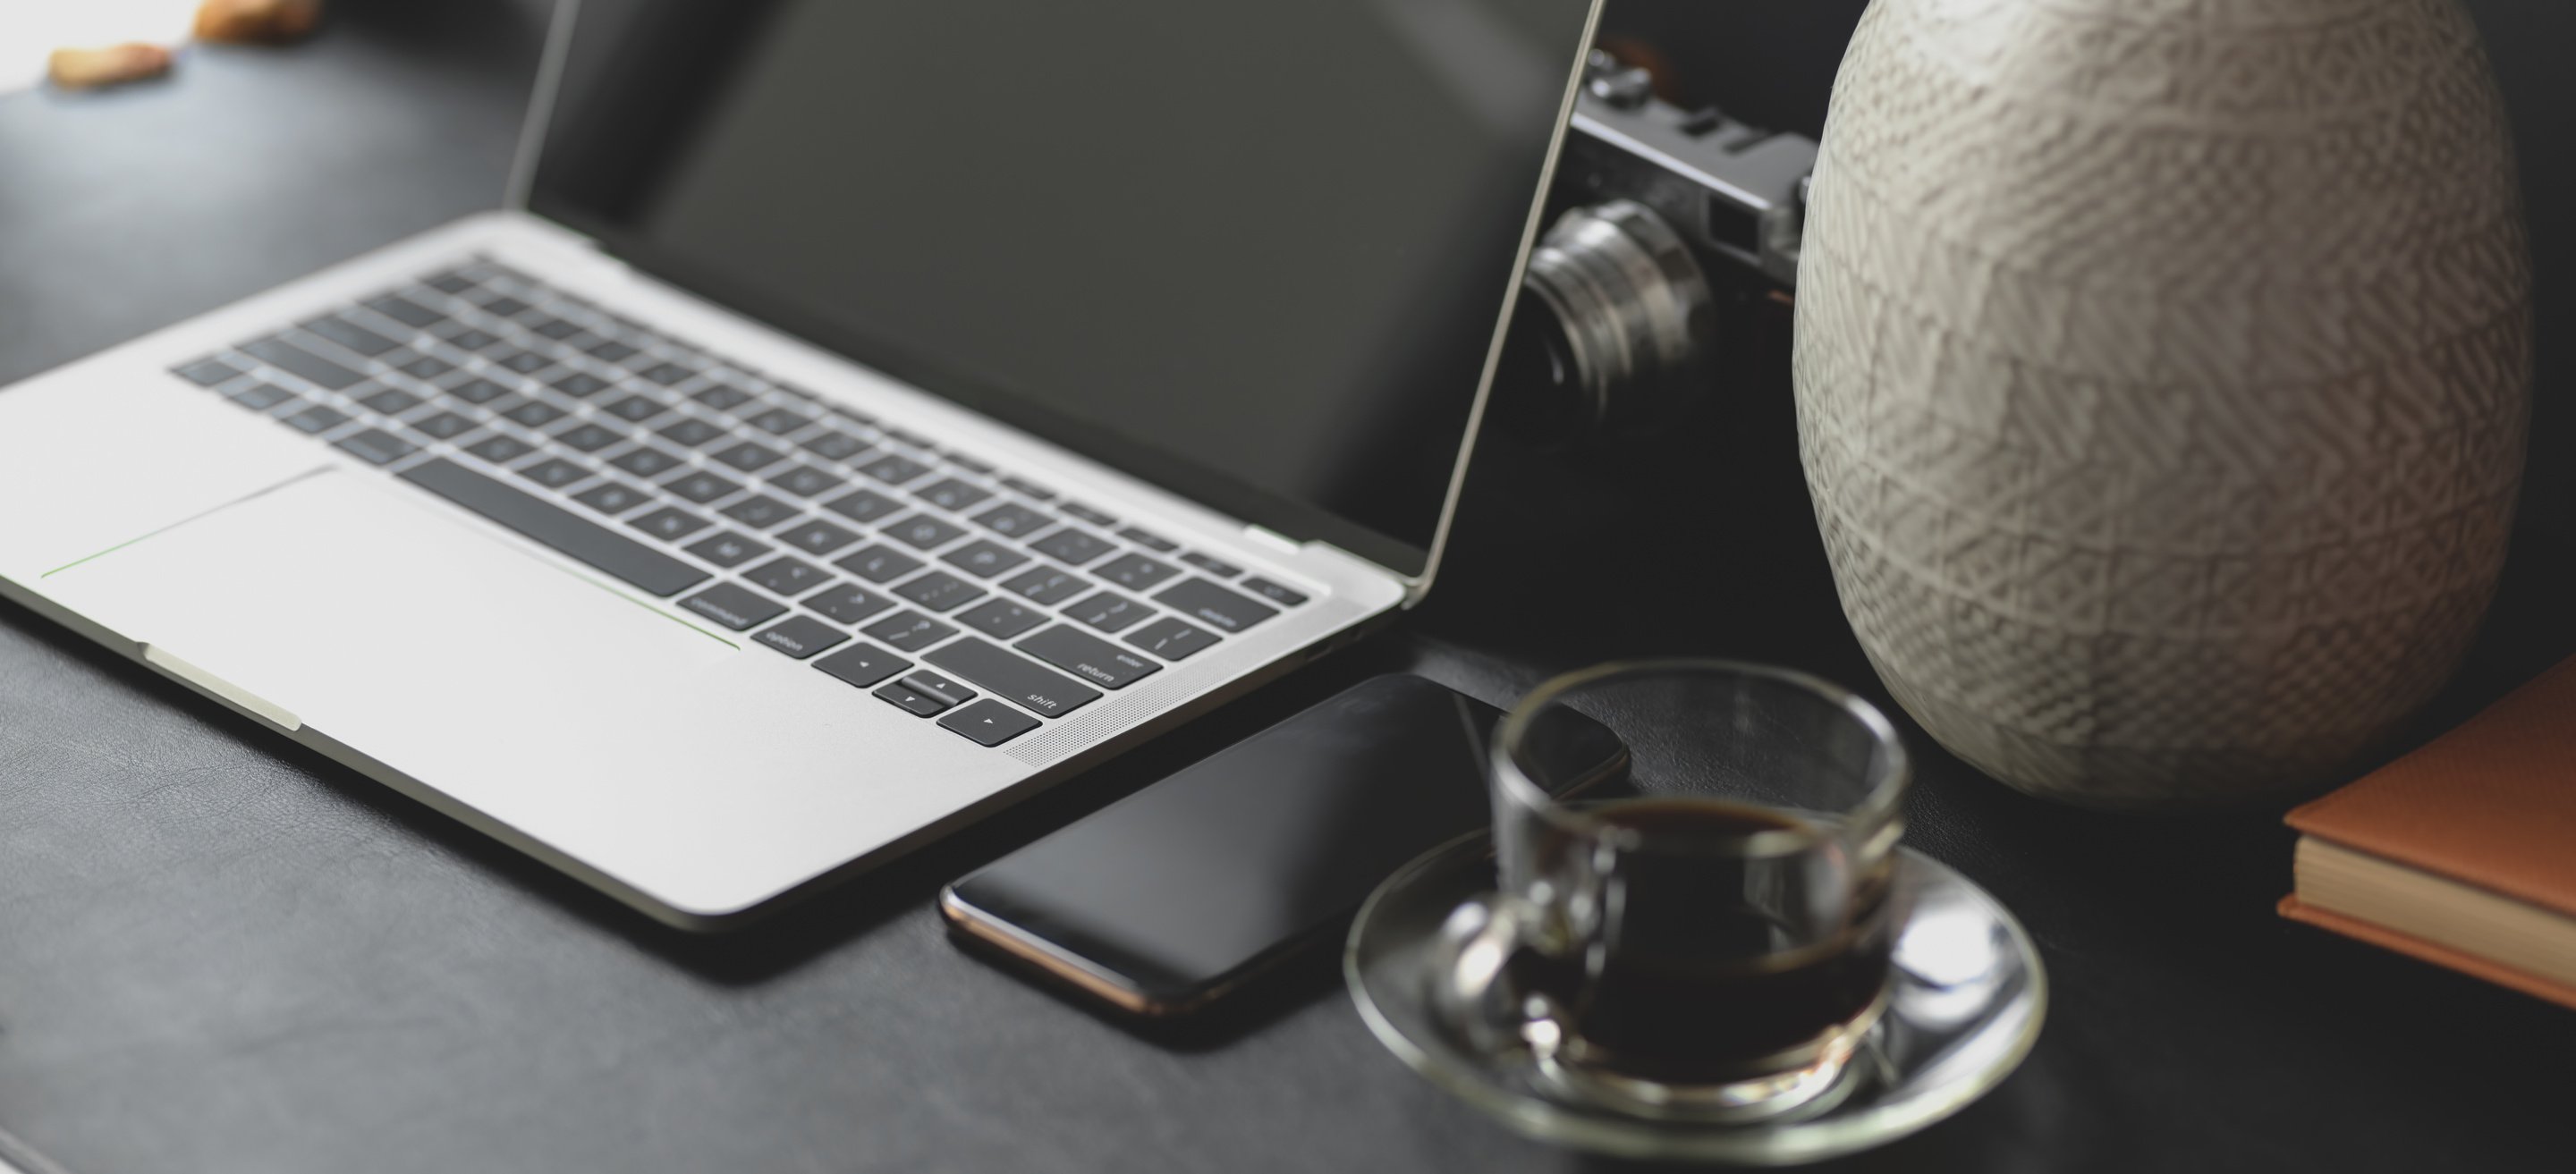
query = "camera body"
x=1664 y=222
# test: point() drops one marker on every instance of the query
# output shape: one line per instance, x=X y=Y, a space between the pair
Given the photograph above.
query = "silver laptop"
x=861 y=415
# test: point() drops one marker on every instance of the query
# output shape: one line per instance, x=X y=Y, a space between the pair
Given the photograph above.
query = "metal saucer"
x=1964 y=1006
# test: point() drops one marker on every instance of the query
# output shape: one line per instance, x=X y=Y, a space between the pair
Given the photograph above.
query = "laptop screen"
x=1254 y=250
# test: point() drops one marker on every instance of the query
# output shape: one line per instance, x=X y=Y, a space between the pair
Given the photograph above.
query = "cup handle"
x=1477 y=986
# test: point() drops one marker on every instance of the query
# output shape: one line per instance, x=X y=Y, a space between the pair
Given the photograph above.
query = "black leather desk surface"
x=220 y=954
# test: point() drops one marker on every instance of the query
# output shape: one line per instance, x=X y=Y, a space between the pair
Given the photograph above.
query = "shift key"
x=1013 y=678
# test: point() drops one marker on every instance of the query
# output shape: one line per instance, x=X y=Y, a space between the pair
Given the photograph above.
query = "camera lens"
x=1537 y=395
x=1614 y=326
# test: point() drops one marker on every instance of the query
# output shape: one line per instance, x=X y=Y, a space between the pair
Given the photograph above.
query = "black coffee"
x=1716 y=959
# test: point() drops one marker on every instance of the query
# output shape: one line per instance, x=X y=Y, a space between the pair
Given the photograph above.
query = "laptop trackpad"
x=667 y=755
x=380 y=617
x=338 y=590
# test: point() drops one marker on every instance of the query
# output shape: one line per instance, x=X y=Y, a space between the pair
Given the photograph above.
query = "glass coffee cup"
x=1706 y=934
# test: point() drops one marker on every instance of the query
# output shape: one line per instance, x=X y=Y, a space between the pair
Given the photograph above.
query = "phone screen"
x=1166 y=898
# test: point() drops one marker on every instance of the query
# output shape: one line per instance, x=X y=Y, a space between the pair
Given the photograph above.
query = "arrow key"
x=989 y=722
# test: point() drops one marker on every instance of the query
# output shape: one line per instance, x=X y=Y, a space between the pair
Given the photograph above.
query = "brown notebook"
x=2462 y=853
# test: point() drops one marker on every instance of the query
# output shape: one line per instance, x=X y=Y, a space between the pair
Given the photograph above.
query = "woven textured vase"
x=2163 y=369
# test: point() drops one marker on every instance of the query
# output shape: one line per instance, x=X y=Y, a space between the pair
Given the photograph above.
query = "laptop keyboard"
x=948 y=588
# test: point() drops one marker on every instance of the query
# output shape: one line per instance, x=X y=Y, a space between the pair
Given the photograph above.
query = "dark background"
x=220 y=953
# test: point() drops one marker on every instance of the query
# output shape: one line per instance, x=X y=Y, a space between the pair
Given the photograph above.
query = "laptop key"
x=1149 y=540
x=1217 y=567
x=666 y=374
x=804 y=480
x=554 y=472
x=984 y=558
x=952 y=494
x=691 y=432
x=612 y=498
x=449 y=283
x=879 y=564
x=499 y=449
x=1274 y=592
x=701 y=486
x=589 y=436
x=1229 y=610
x=1134 y=572
x=407 y=312
x=1171 y=639
x=910 y=631
x=863 y=506
x=735 y=606
x=727 y=550
x=988 y=722
x=748 y=456
x=1012 y=520
x=207 y=372
x=863 y=664
x=801 y=636
x=723 y=397
x=635 y=409
x=1028 y=489
x=474 y=340
x=1046 y=586
x=392 y=401
x=1089 y=657
x=848 y=603
x=669 y=524
x=760 y=511
x=780 y=421
x=1000 y=619
x=260 y=397
x=650 y=570
x=893 y=469
x=1088 y=514
x=301 y=363
x=789 y=576
x=580 y=385
x=923 y=532
x=940 y=591
x=443 y=426
x=1015 y=678
x=817 y=537
x=612 y=351
x=1072 y=546
x=1108 y=611
x=646 y=461
x=911 y=700
x=425 y=367
x=836 y=446
x=478 y=391
x=533 y=413
x=555 y=328
x=932 y=684
x=376 y=446
x=351 y=336
x=316 y=418
x=504 y=307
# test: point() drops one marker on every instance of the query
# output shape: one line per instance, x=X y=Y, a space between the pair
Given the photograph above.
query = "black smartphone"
x=1168 y=899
